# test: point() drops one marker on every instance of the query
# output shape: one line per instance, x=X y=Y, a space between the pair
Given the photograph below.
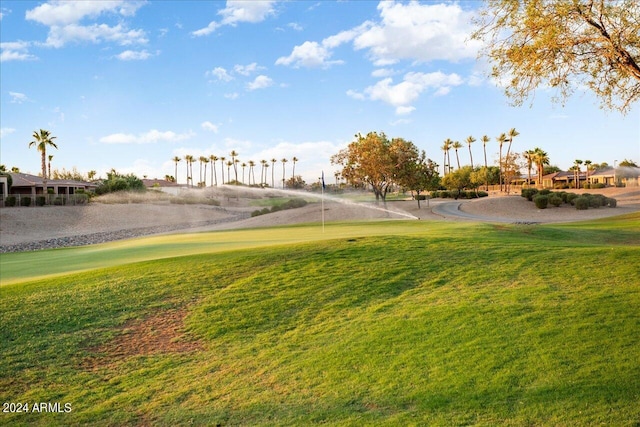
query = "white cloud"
x=63 y=19
x=6 y=131
x=406 y=31
x=403 y=94
x=239 y=11
x=420 y=32
x=308 y=54
x=383 y=72
x=18 y=98
x=231 y=96
x=209 y=126
x=295 y=26
x=260 y=82
x=150 y=137
x=246 y=70
x=15 y=51
x=220 y=73
x=135 y=55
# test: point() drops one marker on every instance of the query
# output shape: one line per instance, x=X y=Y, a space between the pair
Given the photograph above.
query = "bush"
x=597 y=185
x=483 y=194
x=41 y=200
x=529 y=193
x=435 y=194
x=611 y=202
x=59 y=201
x=80 y=199
x=420 y=197
x=555 y=200
x=445 y=194
x=571 y=197
x=25 y=201
x=10 y=201
x=544 y=192
x=597 y=200
x=581 y=203
x=541 y=201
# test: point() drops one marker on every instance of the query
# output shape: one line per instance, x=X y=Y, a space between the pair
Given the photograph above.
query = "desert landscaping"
x=109 y=218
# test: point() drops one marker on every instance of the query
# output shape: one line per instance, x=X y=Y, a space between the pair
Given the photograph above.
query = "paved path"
x=452 y=210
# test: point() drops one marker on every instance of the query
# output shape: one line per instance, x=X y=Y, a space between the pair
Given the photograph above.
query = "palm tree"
x=202 y=159
x=233 y=155
x=41 y=139
x=252 y=164
x=502 y=138
x=244 y=165
x=445 y=148
x=273 y=168
x=470 y=140
x=263 y=170
x=284 y=161
x=294 y=160
x=214 y=175
x=204 y=179
x=456 y=145
x=176 y=159
x=485 y=139
x=266 y=169
x=187 y=158
x=587 y=164
x=229 y=164
x=576 y=172
x=540 y=158
x=510 y=135
x=529 y=156
x=222 y=159
x=50 y=156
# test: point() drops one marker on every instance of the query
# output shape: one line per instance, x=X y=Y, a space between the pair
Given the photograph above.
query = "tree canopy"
x=379 y=162
x=564 y=44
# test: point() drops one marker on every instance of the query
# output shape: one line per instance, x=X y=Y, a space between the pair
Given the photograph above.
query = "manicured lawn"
x=379 y=323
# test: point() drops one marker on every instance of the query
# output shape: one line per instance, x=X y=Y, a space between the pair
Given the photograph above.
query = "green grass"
x=380 y=323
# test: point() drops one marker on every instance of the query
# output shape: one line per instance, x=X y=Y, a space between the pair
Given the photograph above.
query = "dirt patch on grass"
x=157 y=334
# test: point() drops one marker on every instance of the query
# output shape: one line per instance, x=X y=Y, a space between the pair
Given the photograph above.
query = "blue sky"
x=129 y=85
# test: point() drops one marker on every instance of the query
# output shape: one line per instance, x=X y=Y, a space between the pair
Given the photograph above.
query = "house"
x=162 y=185
x=26 y=185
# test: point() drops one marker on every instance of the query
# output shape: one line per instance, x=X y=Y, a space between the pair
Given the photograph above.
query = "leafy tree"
x=118 y=182
x=628 y=163
x=368 y=160
x=458 y=179
x=296 y=182
x=564 y=44
x=414 y=171
x=42 y=139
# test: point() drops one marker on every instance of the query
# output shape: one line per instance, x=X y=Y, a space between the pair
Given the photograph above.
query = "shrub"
x=544 y=192
x=41 y=200
x=445 y=194
x=25 y=201
x=571 y=197
x=597 y=200
x=435 y=194
x=483 y=194
x=597 y=185
x=581 y=203
x=555 y=200
x=80 y=199
x=541 y=201
x=10 y=201
x=59 y=201
x=529 y=193
x=420 y=197
x=611 y=202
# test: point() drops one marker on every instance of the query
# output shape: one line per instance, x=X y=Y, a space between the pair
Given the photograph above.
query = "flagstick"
x=323 y=205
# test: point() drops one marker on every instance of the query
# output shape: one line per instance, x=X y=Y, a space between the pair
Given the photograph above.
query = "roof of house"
x=159 y=183
x=27 y=180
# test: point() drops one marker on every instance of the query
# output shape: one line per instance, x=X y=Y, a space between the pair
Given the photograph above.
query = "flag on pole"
x=322 y=204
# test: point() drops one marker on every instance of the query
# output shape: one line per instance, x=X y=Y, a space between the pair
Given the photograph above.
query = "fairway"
x=369 y=323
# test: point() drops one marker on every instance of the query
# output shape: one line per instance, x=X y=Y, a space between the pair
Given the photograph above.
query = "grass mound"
x=395 y=323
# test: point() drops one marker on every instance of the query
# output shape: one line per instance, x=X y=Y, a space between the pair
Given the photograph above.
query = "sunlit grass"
x=397 y=323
